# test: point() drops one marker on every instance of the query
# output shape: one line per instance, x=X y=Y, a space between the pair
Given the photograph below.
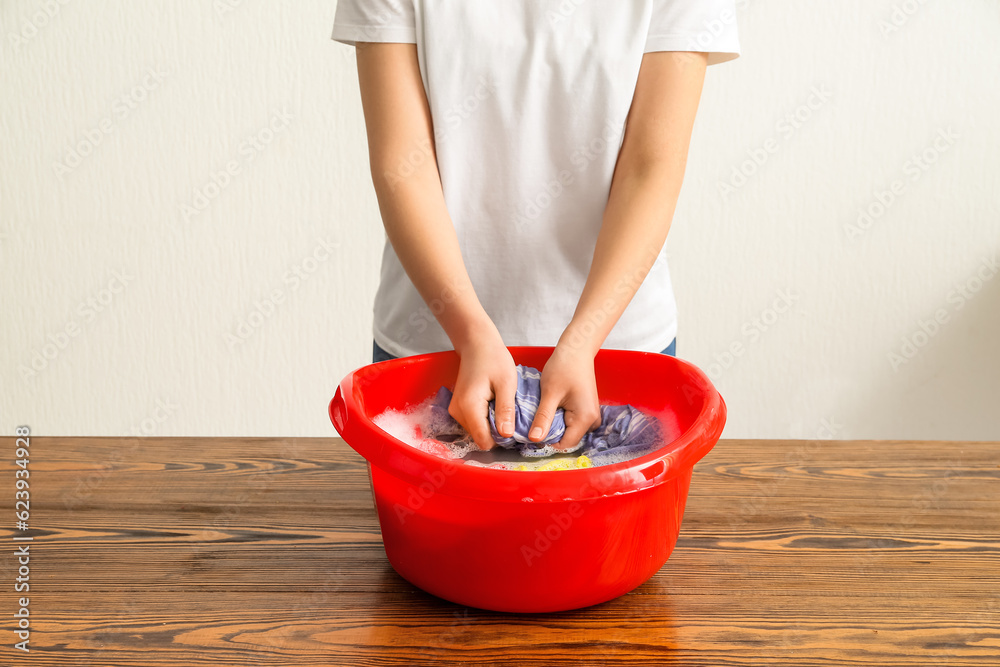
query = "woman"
x=527 y=156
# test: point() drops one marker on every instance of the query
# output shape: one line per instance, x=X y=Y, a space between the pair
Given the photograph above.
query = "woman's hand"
x=568 y=382
x=486 y=371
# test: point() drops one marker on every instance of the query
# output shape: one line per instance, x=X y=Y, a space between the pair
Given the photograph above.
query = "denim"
x=378 y=354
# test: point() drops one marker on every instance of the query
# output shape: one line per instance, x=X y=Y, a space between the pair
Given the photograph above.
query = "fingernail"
x=506 y=428
x=536 y=432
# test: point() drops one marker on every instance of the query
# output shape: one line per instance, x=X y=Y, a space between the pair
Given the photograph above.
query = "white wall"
x=157 y=355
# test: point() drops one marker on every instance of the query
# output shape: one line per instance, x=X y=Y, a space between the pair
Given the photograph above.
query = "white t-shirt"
x=529 y=100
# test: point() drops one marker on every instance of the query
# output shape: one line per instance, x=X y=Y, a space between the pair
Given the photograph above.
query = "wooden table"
x=267 y=552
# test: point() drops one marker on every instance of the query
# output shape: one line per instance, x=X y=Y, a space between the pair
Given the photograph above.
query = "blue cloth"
x=624 y=432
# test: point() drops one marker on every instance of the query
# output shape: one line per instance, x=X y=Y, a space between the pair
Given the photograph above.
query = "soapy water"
x=409 y=426
x=406 y=426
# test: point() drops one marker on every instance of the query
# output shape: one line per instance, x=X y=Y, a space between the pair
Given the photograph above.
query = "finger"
x=503 y=406
x=578 y=424
x=542 y=422
x=472 y=414
x=571 y=437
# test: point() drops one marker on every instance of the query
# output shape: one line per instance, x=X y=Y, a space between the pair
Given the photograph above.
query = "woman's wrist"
x=471 y=328
x=581 y=338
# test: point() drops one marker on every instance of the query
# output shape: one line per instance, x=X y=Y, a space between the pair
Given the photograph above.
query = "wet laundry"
x=624 y=433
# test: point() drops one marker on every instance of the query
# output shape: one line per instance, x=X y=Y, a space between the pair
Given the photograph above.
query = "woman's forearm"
x=644 y=191
x=408 y=187
x=635 y=227
x=420 y=230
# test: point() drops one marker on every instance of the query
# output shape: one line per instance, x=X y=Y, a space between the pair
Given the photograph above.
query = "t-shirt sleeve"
x=374 y=21
x=695 y=25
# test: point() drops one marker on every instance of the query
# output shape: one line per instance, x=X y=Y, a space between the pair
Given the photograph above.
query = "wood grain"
x=267 y=552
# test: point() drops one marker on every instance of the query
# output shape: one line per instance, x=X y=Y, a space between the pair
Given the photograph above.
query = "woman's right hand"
x=486 y=371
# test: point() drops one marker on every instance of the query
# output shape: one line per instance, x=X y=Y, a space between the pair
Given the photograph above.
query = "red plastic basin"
x=529 y=541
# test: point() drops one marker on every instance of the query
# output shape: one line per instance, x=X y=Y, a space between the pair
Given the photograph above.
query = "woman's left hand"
x=567 y=382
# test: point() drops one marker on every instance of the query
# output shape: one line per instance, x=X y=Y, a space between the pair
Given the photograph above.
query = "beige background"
x=168 y=172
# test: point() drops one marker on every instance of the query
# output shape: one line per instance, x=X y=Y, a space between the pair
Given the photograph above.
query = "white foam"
x=611 y=457
x=400 y=425
x=408 y=425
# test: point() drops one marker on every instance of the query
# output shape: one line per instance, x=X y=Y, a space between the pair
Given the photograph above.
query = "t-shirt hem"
x=391 y=347
x=397 y=351
x=657 y=346
x=350 y=34
x=666 y=343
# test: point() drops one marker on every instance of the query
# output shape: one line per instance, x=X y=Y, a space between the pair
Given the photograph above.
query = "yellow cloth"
x=566 y=463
